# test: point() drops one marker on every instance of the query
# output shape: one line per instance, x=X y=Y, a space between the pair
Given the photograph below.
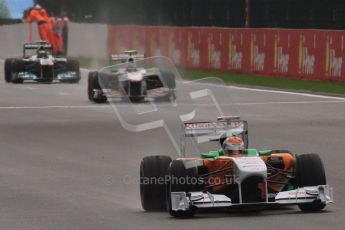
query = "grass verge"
x=270 y=82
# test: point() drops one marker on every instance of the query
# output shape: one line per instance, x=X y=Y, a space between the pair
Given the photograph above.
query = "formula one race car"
x=40 y=65
x=233 y=177
x=134 y=79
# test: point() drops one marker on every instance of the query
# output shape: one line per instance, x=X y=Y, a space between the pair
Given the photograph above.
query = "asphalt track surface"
x=67 y=163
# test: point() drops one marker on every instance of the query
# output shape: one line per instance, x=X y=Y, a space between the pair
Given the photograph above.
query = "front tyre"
x=93 y=85
x=153 y=172
x=8 y=69
x=18 y=66
x=181 y=180
x=73 y=66
x=310 y=172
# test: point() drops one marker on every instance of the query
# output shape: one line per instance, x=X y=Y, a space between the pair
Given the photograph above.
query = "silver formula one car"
x=215 y=180
x=134 y=79
x=39 y=64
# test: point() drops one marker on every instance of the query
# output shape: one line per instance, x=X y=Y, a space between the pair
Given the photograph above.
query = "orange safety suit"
x=45 y=27
x=58 y=29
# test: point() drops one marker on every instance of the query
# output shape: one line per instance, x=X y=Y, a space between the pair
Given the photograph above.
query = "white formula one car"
x=134 y=79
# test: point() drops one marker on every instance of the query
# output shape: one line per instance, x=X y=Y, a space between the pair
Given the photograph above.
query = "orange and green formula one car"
x=231 y=177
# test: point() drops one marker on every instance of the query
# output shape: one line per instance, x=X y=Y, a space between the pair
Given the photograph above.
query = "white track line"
x=167 y=105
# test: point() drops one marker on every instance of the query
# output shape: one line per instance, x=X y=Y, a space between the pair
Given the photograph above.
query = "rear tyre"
x=181 y=179
x=73 y=66
x=310 y=172
x=92 y=85
x=8 y=69
x=152 y=194
x=169 y=79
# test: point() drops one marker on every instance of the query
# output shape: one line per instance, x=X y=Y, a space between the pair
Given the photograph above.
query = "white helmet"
x=38 y=6
x=231 y=145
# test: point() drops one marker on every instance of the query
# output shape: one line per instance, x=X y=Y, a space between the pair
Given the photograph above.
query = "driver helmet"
x=233 y=146
x=41 y=52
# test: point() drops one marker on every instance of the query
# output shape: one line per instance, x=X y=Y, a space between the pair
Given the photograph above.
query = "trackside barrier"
x=306 y=54
x=12 y=38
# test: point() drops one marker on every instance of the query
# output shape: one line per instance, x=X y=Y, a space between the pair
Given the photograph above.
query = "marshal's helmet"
x=233 y=146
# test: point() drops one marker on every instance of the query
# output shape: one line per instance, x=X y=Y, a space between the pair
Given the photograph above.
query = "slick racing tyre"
x=153 y=172
x=310 y=172
x=169 y=79
x=18 y=66
x=92 y=85
x=8 y=69
x=181 y=180
x=73 y=66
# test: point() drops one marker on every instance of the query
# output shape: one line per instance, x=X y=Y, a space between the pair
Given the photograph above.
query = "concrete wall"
x=85 y=40
x=88 y=40
x=12 y=38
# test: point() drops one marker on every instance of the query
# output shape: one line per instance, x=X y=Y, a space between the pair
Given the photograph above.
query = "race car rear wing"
x=35 y=46
x=215 y=130
x=124 y=57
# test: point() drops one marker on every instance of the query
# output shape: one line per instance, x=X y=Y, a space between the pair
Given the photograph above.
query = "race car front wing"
x=182 y=201
x=118 y=95
x=60 y=76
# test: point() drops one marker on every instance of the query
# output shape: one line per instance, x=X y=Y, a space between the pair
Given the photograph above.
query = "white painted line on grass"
x=314 y=95
x=287 y=92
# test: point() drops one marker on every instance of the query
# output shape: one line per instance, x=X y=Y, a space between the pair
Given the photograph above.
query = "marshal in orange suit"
x=45 y=28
